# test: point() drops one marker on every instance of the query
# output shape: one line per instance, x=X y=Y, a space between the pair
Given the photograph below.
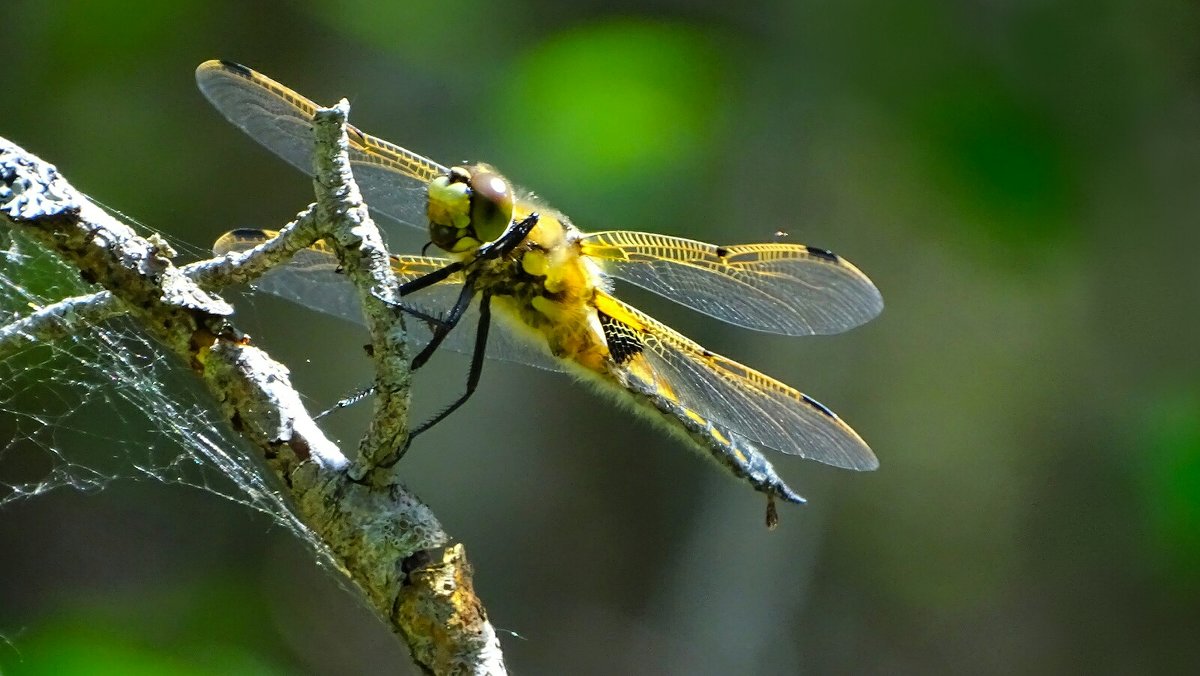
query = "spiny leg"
x=477 y=357
x=510 y=239
x=426 y=281
x=443 y=328
x=435 y=324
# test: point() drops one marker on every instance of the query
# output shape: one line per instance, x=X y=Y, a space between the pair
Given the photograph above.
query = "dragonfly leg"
x=444 y=326
x=477 y=357
x=503 y=245
x=434 y=322
x=430 y=279
x=347 y=401
x=508 y=240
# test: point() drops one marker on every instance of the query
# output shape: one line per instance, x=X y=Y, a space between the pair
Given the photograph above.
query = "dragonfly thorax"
x=467 y=207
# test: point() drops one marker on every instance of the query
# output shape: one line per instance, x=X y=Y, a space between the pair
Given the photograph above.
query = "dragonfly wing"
x=312 y=279
x=790 y=289
x=400 y=200
x=751 y=406
x=392 y=179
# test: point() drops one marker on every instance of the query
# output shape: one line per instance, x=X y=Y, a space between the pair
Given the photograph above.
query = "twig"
x=380 y=535
x=365 y=261
x=70 y=316
x=57 y=320
x=247 y=266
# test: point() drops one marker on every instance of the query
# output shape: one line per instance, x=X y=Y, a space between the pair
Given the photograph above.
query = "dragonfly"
x=513 y=260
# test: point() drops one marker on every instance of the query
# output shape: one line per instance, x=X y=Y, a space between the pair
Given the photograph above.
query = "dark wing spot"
x=247 y=233
x=624 y=341
x=238 y=68
x=819 y=406
x=822 y=254
x=722 y=252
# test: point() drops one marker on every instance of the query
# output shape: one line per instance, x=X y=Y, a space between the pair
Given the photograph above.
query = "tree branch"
x=378 y=534
x=366 y=262
x=57 y=320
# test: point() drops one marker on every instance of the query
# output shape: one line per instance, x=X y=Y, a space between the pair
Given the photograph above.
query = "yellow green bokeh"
x=612 y=105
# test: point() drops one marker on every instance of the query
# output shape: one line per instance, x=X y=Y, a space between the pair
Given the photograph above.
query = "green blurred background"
x=1019 y=179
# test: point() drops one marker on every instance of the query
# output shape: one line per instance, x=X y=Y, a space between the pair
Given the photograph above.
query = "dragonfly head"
x=468 y=207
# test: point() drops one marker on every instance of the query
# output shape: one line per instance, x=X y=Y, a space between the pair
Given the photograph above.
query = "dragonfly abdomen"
x=735 y=454
x=626 y=374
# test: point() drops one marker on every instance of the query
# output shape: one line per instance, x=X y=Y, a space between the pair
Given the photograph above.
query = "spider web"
x=107 y=403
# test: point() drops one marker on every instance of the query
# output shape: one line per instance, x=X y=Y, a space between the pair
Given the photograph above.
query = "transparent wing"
x=312 y=279
x=747 y=404
x=791 y=289
x=392 y=179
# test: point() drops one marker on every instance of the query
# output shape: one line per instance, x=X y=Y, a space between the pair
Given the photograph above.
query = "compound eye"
x=491 y=204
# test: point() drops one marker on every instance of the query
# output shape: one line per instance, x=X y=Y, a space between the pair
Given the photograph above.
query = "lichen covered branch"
x=378 y=534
